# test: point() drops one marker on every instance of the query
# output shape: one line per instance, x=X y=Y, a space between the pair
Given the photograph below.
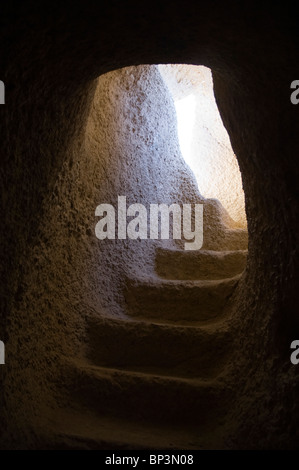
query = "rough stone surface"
x=51 y=264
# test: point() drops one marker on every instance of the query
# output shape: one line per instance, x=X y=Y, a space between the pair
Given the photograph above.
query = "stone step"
x=225 y=240
x=161 y=349
x=178 y=301
x=202 y=264
x=143 y=397
x=72 y=429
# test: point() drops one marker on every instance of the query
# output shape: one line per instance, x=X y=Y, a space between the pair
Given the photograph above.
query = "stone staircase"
x=158 y=378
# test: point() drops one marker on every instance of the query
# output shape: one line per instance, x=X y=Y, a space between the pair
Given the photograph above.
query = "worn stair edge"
x=166 y=349
x=74 y=429
x=200 y=265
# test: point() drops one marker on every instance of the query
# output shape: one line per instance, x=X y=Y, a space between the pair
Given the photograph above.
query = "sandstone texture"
x=95 y=359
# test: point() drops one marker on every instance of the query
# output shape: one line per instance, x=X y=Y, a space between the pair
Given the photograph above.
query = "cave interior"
x=138 y=343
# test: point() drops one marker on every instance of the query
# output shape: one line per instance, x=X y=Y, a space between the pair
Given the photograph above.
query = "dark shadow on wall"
x=50 y=56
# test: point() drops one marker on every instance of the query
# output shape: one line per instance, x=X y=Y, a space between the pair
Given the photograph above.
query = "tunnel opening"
x=162 y=307
x=71 y=179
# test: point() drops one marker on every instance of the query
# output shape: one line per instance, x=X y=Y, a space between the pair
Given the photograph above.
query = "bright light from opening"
x=203 y=139
x=185 y=110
